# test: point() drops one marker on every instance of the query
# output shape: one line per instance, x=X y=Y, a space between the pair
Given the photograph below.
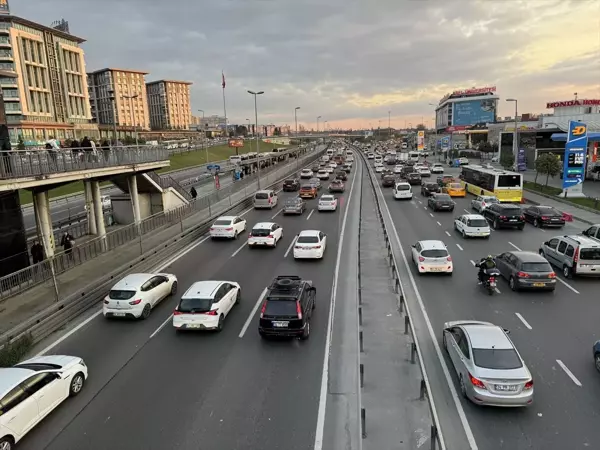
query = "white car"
x=403 y=191
x=472 y=225
x=379 y=159
x=229 y=227
x=424 y=172
x=33 y=389
x=137 y=294
x=106 y=204
x=323 y=174
x=432 y=256
x=437 y=168
x=379 y=169
x=310 y=244
x=463 y=161
x=205 y=305
x=398 y=169
x=329 y=169
x=333 y=165
x=265 y=233
x=306 y=173
x=327 y=203
x=370 y=155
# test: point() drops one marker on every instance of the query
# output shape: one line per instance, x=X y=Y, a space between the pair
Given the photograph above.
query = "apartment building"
x=43 y=82
x=169 y=104
x=118 y=99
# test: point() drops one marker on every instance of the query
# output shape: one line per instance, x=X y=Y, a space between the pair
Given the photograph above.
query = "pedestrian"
x=105 y=150
x=241 y=175
x=67 y=242
x=75 y=148
x=86 y=146
x=37 y=252
x=193 y=192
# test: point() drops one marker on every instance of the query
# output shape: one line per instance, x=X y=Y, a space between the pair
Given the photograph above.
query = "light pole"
x=131 y=97
x=325 y=124
x=435 y=127
x=515 y=135
x=248 y=130
x=318 y=118
x=296 y=118
x=256 y=94
x=203 y=135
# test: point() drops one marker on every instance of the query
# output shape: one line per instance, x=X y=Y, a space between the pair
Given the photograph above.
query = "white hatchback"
x=33 y=389
x=432 y=256
x=403 y=191
x=370 y=155
x=205 y=305
x=323 y=174
x=424 y=172
x=306 y=174
x=472 y=225
x=137 y=294
x=327 y=203
x=310 y=244
x=437 y=168
x=228 y=227
x=265 y=234
x=398 y=169
x=379 y=169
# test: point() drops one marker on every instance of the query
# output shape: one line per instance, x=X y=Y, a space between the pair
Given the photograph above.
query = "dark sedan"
x=315 y=182
x=428 y=189
x=388 y=181
x=543 y=216
x=341 y=175
x=291 y=185
x=440 y=202
x=596 y=351
x=526 y=270
x=413 y=179
x=294 y=206
x=336 y=186
x=386 y=172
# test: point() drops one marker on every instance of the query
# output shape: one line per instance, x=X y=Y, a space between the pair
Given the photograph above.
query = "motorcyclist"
x=486 y=264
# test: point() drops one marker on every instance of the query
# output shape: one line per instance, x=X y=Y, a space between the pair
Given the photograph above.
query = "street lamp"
x=203 y=135
x=515 y=135
x=296 y=118
x=325 y=124
x=318 y=118
x=248 y=130
x=435 y=126
x=131 y=97
x=389 y=125
x=256 y=94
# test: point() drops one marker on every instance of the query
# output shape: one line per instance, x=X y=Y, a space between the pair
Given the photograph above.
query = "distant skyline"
x=348 y=62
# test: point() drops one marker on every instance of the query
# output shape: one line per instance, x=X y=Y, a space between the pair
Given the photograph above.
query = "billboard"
x=420 y=140
x=471 y=112
x=574 y=162
x=236 y=143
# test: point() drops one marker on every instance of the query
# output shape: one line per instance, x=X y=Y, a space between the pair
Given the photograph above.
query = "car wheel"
x=463 y=387
x=7 y=443
x=566 y=271
x=496 y=224
x=174 y=288
x=306 y=332
x=221 y=323
x=596 y=361
x=146 y=311
x=521 y=227
x=536 y=223
x=238 y=297
x=444 y=343
x=75 y=386
x=236 y=235
x=464 y=235
x=512 y=283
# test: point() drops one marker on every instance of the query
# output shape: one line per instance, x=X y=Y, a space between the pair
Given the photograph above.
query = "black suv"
x=504 y=216
x=287 y=308
x=291 y=185
x=388 y=181
x=413 y=178
x=428 y=189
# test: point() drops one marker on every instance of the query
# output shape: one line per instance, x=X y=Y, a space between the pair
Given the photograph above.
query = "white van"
x=403 y=191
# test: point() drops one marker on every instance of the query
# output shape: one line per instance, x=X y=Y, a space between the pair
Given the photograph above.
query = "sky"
x=355 y=63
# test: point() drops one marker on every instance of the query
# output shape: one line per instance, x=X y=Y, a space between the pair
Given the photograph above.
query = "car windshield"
x=307 y=240
x=431 y=186
x=289 y=181
x=490 y=200
x=511 y=211
x=121 y=295
x=509 y=181
x=499 y=359
x=434 y=253
x=442 y=198
x=548 y=210
x=292 y=201
x=280 y=307
x=307 y=187
x=478 y=223
x=261 y=195
x=327 y=198
x=536 y=267
x=261 y=232
x=589 y=254
x=223 y=222
x=194 y=305
x=455 y=186
x=402 y=187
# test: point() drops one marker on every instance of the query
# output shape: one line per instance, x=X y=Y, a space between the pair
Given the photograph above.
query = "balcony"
x=6 y=55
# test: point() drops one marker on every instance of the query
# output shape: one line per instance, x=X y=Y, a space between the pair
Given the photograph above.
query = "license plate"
x=119 y=314
x=436 y=269
x=539 y=284
x=505 y=388
x=280 y=324
x=193 y=325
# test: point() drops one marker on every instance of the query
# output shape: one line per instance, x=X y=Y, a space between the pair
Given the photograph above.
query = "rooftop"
x=488 y=337
x=114 y=69
x=38 y=26
x=170 y=81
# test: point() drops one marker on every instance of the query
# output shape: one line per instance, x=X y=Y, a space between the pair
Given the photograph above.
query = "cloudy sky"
x=349 y=61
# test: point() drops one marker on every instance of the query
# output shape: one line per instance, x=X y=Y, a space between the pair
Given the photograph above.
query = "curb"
x=583 y=208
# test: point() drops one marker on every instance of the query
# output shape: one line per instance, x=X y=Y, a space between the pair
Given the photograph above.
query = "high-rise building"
x=118 y=96
x=169 y=104
x=195 y=122
x=45 y=88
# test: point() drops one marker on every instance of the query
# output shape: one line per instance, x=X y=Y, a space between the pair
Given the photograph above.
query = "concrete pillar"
x=135 y=198
x=44 y=222
x=89 y=203
x=36 y=214
x=97 y=200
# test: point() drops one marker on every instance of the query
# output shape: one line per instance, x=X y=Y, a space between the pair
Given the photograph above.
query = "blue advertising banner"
x=474 y=111
x=575 y=153
x=446 y=143
x=521 y=160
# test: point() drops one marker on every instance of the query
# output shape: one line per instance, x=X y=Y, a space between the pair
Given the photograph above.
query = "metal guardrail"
x=33 y=275
x=436 y=438
x=25 y=163
x=48 y=321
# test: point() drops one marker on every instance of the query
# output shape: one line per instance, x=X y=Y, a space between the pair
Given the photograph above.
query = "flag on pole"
x=223 y=79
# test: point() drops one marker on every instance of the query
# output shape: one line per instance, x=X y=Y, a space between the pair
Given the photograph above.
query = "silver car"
x=489 y=368
x=482 y=202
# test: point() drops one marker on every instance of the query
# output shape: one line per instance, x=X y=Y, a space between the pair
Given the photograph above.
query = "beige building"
x=169 y=104
x=46 y=93
x=118 y=96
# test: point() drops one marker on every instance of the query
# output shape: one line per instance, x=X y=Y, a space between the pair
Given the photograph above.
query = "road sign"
x=213 y=167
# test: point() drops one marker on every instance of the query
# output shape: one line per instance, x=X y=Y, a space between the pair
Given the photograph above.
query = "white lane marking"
x=467 y=211
x=431 y=214
x=277 y=213
x=542 y=230
x=325 y=371
x=162 y=325
x=310 y=213
x=514 y=246
x=253 y=312
x=290 y=247
x=420 y=202
x=239 y=249
x=497 y=291
x=522 y=319
x=459 y=408
x=440 y=225
x=560 y=280
x=448 y=233
x=96 y=314
x=569 y=373
x=460 y=248
x=425 y=208
x=247 y=211
x=472 y=262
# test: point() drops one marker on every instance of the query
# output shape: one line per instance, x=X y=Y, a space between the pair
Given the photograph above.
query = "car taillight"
x=228 y=229
x=299 y=310
x=421 y=259
x=449 y=258
x=177 y=313
x=270 y=236
x=270 y=200
x=502 y=217
x=522 y=218
x=522 y=275
x=528 y=385
x=214 y=312
x=576 y=255
x=136 y=302
x=317 y=246
x=249 y=235
x=262 y=310
x=106 y=302
x=212 y=229
x=544 y=217
x=552 y=275
x=492 y=279
x=476 y=382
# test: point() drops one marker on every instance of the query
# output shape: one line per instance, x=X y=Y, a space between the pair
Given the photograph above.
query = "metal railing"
x=27 y=163
x=205 y=206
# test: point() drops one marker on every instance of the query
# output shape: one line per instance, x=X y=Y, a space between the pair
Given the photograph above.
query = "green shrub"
x=15 y=351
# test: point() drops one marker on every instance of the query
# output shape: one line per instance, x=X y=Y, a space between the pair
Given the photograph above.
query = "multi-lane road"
x=553 y=331
x=150 y=388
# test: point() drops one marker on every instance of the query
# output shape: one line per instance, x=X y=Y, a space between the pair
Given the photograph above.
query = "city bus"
x=505 y=185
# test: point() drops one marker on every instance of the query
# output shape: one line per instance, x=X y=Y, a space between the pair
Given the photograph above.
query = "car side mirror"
x=546 y=243
x=506 y=330
x=413 y=246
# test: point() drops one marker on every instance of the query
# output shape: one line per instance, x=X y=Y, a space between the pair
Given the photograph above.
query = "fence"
x=204 y=207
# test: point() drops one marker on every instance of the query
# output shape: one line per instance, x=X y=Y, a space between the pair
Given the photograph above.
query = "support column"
x=44 y=221
x=89 y=204
x=135 y=198
x=36 y=214
x=97 y=200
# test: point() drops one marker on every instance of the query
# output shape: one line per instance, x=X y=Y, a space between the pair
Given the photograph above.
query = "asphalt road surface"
x=153 y=389
x=553 y=331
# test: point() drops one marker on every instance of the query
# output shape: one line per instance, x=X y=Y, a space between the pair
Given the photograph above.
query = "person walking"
x=105 y=150
x=86 y=145
x=67 y=243
x=37 y=252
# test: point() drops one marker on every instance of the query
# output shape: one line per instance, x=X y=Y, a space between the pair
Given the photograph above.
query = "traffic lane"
x=537 y=348
x=183 y=371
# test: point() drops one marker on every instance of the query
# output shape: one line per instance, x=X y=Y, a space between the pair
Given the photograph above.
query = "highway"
x=554 y=332
x=150 y=388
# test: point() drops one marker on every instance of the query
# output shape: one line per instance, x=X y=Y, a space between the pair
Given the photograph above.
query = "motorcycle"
x=490 y=283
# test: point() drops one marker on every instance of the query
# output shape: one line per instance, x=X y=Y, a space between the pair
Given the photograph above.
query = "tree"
x=507 y=160
x=21 y=144
x=485 y=147
x=420 y=126
x=547 y=164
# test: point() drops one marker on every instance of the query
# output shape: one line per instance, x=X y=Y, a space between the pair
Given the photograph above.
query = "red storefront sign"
x=457 y=128
x=582 y=102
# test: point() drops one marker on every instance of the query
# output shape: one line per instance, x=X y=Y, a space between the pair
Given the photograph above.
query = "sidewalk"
x=583 y=215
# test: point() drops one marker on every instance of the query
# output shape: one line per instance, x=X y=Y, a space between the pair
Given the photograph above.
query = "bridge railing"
x=31 y=163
